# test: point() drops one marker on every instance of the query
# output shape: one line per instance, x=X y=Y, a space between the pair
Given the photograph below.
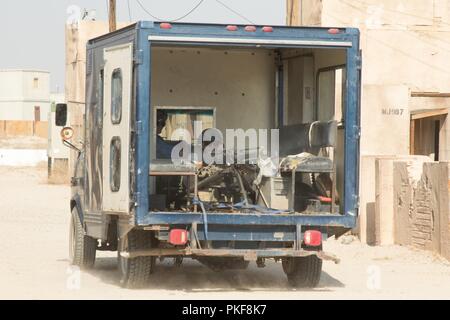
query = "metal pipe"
x=262 y=196
x=241 y=184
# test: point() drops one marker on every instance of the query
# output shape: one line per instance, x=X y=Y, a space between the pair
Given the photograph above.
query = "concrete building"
x=77 y=36
x=405 y=79
x=24 y=95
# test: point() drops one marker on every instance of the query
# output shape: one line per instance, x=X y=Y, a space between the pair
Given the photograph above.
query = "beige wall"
x=385 y=120
x=404 y=43
x=405 y=49
x=371 y=226
x=15 y=128
x=421 y=205
x=412 y=204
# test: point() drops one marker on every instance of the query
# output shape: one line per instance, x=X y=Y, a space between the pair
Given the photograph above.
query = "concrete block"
x=403 y=197
x=384 y=202
x=366 y=223
x=385 y=120
x=434 y=175
x=445 y=210
x=421 y=208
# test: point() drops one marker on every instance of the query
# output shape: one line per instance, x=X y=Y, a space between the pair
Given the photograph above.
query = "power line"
x=129 y=10
x=234 y=11
x=403 y=13
x=405 y=53
x=173 y=20
x=367 y=5
x=291 y=14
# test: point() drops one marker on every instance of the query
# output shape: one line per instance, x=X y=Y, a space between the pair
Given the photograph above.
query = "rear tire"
x=303 y=272
x=135 y=273
x=82 y=248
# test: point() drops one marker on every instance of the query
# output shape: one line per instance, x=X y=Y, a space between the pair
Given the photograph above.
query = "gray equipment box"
x=277 y=191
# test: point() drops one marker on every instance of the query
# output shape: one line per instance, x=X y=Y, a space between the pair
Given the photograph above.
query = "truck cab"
x=227 y=144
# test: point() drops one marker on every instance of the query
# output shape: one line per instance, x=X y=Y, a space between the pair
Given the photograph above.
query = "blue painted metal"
x=245 y=236
x=352 y=132
x=142 y=112
x=273 y=233
x=279 y=32
x=335 y=220
x=347 y=220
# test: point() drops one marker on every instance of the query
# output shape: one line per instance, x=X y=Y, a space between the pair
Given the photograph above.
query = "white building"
x=24 y=95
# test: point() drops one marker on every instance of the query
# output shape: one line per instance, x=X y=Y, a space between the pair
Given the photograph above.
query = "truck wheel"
x=135 y=272
x=303 y=272
x=82 y=248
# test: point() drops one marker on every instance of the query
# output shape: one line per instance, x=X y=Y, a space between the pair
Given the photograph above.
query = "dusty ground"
x=34 y=249
x=23 y=143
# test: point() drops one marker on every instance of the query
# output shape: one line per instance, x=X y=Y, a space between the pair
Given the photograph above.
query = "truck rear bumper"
x=248 y=255
x=187 y=218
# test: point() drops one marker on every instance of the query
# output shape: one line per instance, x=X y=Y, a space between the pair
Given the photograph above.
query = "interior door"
x=116 y=128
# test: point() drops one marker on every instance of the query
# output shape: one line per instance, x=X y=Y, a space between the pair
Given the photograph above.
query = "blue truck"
x=147 y=80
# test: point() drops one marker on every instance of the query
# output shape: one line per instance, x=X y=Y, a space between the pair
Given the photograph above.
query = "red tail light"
x=232 y=28
x=267 y=29
x=178 y=237
x=165 y=25
x=250 y=28
x=312 y=238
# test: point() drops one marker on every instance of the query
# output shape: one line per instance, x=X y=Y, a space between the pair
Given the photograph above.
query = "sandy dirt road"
x=34 y=249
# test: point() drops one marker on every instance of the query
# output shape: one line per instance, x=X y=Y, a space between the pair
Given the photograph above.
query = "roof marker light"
x=333 y=31
x=165 y=25
x=324 y=199
x=267 y=29
x=232 y=28
x=250 y=28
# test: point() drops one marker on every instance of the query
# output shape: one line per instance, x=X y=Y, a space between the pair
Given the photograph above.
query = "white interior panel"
x=240 y=84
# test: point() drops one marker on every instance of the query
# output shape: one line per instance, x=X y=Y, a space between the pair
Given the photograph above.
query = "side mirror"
x=61 y=115
x=66 y=133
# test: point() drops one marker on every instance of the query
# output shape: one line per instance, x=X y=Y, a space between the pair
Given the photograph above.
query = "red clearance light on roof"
x=178 y=237
x=312 y=238
x=267 y=29
x=333 y=31
x=165 y=25
x=250 y=28
x=232 y=28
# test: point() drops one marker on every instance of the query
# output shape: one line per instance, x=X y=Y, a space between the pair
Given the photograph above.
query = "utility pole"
x=293 y=12
x=112 y=15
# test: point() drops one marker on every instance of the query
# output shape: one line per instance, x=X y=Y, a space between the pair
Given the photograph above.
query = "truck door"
x=116 y=128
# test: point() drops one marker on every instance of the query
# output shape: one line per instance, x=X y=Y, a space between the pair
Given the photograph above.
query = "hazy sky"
x=32 y=31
